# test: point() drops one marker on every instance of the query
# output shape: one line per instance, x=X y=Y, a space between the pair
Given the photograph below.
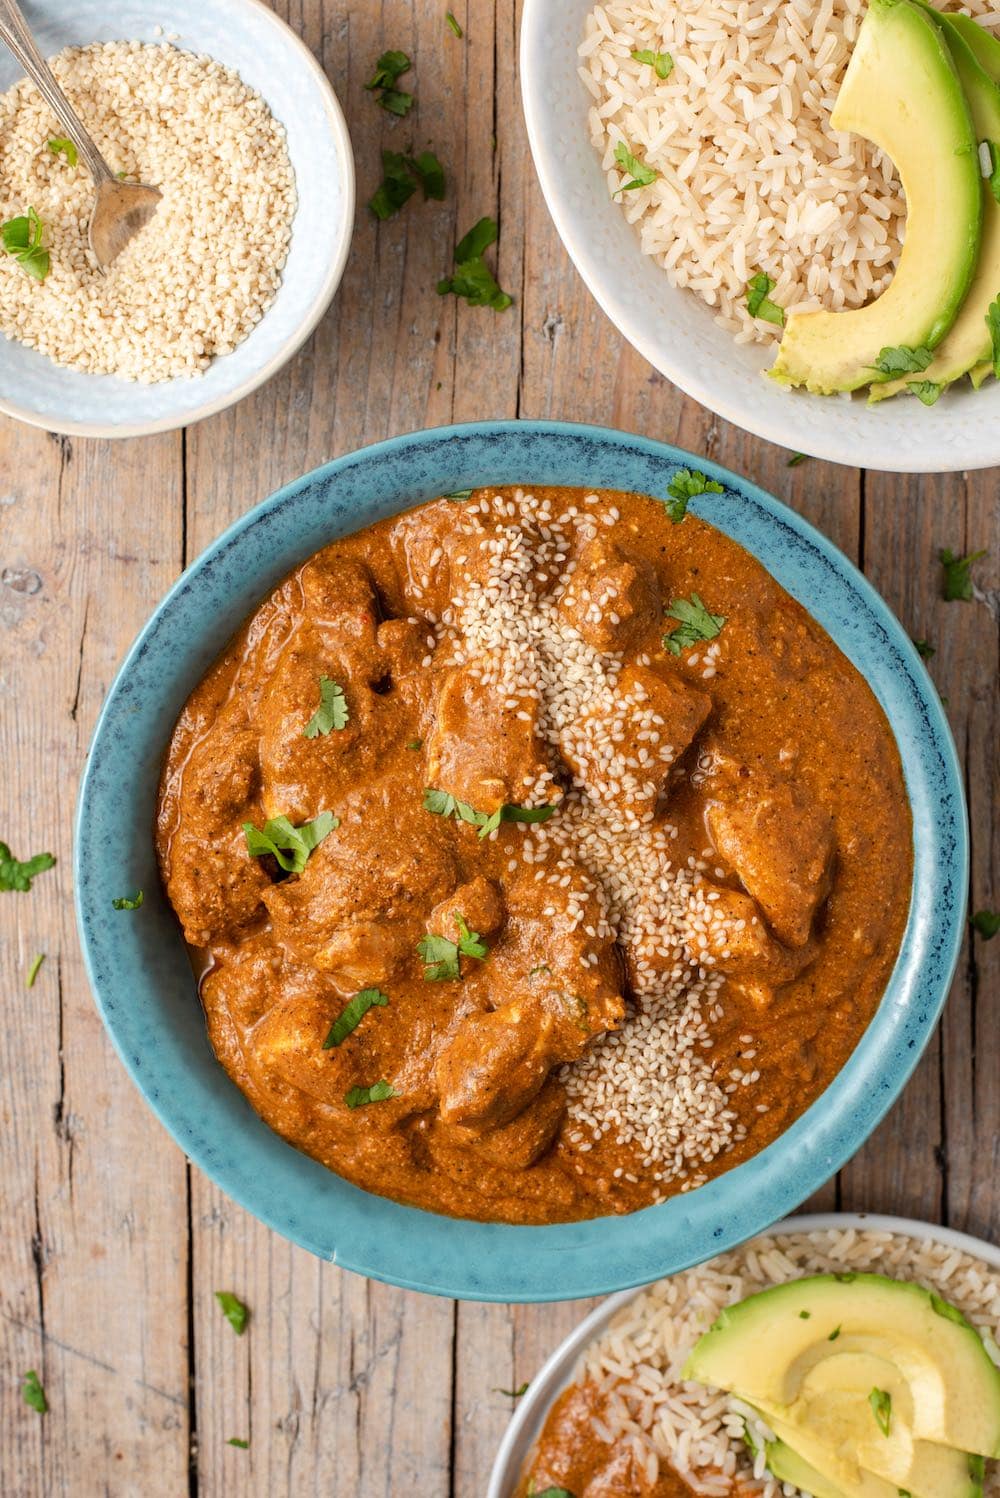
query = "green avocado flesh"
x=968 y=344
x=812 y=1354
x=787 y=1466
x=901 y=91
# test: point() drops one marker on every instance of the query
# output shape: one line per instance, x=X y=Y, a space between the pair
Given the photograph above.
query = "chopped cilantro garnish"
x=291 y=846
x=415 y=744
x=33 y=970
x=993 y=323
x=453 y=24
x=641 y=175
x=510 y=812
x=238 y=1441
x=796 y=459
x=59 y=145
x=472 y=277
x=441 y=956
x=759 y=302
x=459 y=495
x=378 y=1092
x=696 y=623
x=33 y=1394
x=513 y=1393
x=550 y=1493
x=235 y=1312
x=17 y=875
x=925 y=390
x=881 y=1404
x=401 y=175
x=661 y=62
x=442 y=804
x=986 y=922
x=332 y=711
x=685 y=485
x=22 y=238
x=956 y=577
x=924 y=649
x=902 y=360
x=351 y=1017
x=129 y=902
x=834 y=1334
x=805 y=1315
x=388 y=70
x=429 y=173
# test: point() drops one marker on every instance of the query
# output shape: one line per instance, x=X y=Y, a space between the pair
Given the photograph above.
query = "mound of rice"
x=700 y=1432
x=751 y=177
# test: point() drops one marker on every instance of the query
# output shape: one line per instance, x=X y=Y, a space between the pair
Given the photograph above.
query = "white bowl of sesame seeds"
x=221 y=105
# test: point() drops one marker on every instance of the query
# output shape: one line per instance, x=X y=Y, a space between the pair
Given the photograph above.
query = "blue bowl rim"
x=499 y=1262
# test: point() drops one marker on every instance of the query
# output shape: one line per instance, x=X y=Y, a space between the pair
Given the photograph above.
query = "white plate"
x=675 y=331
x=245 y=35
x=558 y=1371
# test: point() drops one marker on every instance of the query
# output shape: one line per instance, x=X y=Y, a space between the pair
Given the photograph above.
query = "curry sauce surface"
x=477 y=1126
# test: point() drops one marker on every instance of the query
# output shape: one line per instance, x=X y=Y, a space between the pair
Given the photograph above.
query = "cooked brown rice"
x=751 y=177
x=700 y=1432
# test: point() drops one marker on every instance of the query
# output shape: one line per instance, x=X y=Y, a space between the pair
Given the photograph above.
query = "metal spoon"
x=120 y=208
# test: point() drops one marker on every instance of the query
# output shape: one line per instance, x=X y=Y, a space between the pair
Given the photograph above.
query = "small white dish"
x=247 y=36
x=557 y=1373
x=676 y=332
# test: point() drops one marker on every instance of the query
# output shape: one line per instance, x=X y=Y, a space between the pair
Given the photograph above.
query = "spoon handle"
x=16 y=32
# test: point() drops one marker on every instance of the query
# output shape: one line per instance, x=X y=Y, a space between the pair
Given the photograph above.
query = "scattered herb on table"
x=925 y=390
x=796 y=459
x=33 y=1394
x=993 y=323
x=388 y=70
x=60 y=145
x=291 y=846
x=924 y=649
x=332 y=711
x=881 y=1404
x=360 y=1097
x=684 y=486
x=22 y=238
x=696 y=623
x=956 y=576
x=429 y=173
x=401 y=176
x=351 y=1017
x=453 y=24
x=17 y=875
x=472 y=277
x=986 y=922
x=237 y=1441
x=902 y=360
x=661 y=62
x=640 y=175
x=759 y=303
x=235 y=1312
x=513 y=1393
x=33 y=970
x=129 y=902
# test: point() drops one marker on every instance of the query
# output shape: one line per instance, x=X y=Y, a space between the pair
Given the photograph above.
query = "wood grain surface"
x=111 y=1246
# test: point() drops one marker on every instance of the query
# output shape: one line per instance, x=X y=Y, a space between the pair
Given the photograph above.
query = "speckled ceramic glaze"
x=554 y=1375
x=248 y=36
x=138 y=965
x=675 y=331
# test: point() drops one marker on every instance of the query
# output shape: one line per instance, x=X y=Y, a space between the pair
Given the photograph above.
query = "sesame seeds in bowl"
x=225 y=109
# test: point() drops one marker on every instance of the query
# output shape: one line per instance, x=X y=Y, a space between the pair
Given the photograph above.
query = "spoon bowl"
x=121 y=209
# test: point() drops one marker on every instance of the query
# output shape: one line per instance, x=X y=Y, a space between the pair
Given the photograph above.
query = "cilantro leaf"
x=993 y=323
x=925 y=390
x=291 y=846
x=685 y=485
x=986 y=922
x=641 y=174
x=442 y=804
x=351 y=1017
x=440 y=959
x=511 y=812
x=924 y=649
x=834 y=1334
x=237 y=1441
x=470 y=943
x=378 y=1092
x=759 y=303
x=513 y=1393
x=33 y=970
x=33 y=1394
x=459 y=495
x=696 y=623
x=235 y=1312
x=22 y=238
x=902 y=360
x=397 y=186
x=429 y=173
x=472 y=277
x=453 y=24
x=388 y=70
x=60 y=145
x=415 y=744
x=796 y=459
x=661 y=62
x=881 y=1404
x=129 y=902
x=332 y=711
x=17 y=875
x=551 y=1493
x=956 y=579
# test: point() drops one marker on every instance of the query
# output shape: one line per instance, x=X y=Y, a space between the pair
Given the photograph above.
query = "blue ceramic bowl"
x=138 y=965
x=245 y=35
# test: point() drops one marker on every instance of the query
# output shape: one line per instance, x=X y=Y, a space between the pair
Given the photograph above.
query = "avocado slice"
x=787 y=1466
x=901 y=90
x=763 y=1348
x=968 y=343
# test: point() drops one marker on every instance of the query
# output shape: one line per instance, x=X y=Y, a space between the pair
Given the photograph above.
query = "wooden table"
x=111 y=1244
